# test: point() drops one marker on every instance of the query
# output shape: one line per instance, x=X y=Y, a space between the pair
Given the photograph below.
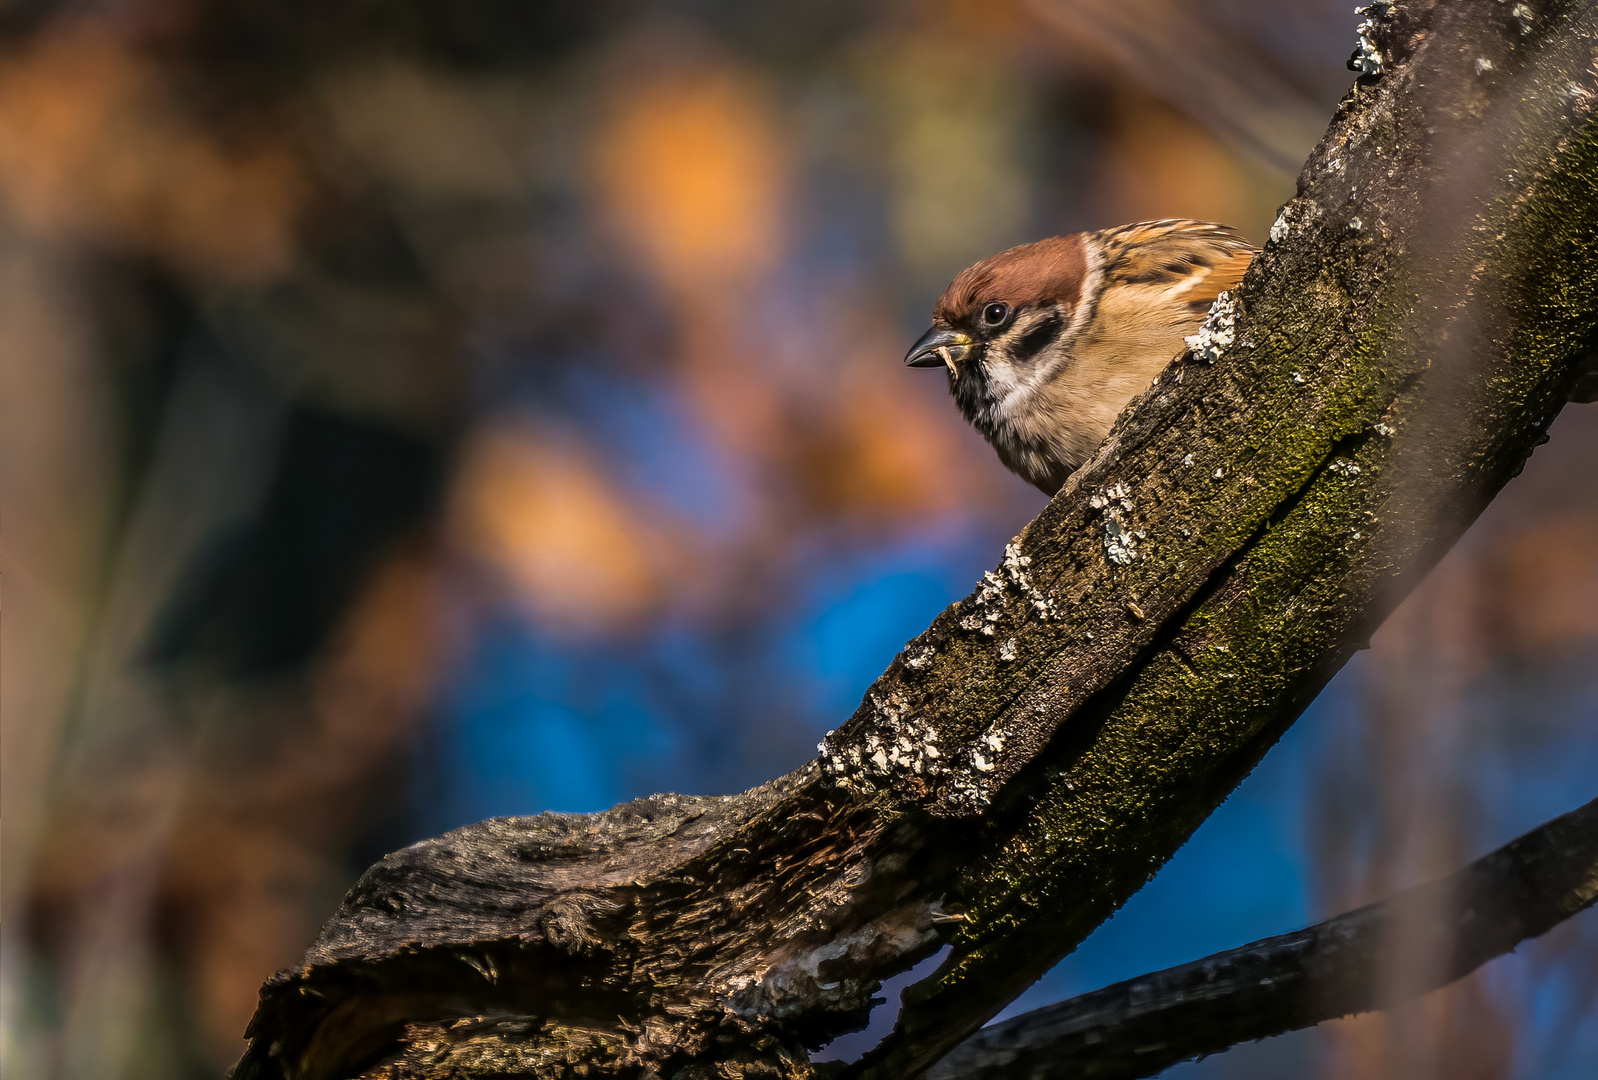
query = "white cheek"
x=1014 y=385
x=1004 y=381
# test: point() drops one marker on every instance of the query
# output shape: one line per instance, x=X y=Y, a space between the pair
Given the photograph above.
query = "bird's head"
x=1047 y=342
x=1003 y=326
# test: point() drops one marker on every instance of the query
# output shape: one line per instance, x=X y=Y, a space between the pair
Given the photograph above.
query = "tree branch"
x=1335 y=968
x=1045 y=746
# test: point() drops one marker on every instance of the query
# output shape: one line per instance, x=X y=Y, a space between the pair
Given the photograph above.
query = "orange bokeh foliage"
x=693 y=172
x=544 y=515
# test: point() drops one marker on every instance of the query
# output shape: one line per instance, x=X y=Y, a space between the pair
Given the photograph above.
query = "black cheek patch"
x=1036 y=339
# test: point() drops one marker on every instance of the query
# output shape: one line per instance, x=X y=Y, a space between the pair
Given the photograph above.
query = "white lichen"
x=1217 y=333
x=1120 y=543
x=1525 y=15
x=1483 y=65
x=1355 y=224
x=896 y=743
x=1120 y=539
x=1343 y=467
x=967 y=792
x=1016 y=572
x=1384 y=431
x=1279 y=227
x=1368 y=58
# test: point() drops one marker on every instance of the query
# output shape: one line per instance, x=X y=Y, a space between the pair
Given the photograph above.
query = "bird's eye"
x=995 y=313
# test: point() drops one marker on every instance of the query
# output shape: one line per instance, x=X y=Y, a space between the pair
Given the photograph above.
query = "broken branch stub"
x=1033 y=758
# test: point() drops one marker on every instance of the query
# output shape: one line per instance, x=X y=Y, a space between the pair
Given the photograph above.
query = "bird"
x=1045 y=343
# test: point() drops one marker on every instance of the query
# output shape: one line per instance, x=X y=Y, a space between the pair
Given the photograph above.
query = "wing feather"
x=1225 y=274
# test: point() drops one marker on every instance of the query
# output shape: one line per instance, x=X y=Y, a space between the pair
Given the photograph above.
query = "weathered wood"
x=1138 y=1027
x=1039 y=752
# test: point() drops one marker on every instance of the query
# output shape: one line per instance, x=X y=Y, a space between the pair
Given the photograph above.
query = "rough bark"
x=1335 y=968
x=1044 y=747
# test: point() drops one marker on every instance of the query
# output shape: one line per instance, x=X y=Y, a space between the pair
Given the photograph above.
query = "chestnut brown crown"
x=1045 y=343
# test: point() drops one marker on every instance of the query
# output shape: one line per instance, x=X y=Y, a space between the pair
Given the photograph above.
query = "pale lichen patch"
x=897 y=745
x=1217 y=333
x=1120 y=539
x=1017 y=573
x=1279 y=227
x=966 y=792
x=1368 y=58
x=1299 y=211
x=1120 y=543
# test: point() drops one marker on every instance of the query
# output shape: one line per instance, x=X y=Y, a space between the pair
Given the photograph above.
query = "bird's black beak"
x=938 y=346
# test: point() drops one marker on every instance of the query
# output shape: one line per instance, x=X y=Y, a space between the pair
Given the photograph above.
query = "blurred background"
x=415 y=411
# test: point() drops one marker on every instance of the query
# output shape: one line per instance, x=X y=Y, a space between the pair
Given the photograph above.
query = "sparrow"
x=1045 y=343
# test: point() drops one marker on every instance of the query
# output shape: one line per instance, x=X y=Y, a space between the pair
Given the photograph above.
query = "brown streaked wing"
x=1224 y=275
x=1198 y=259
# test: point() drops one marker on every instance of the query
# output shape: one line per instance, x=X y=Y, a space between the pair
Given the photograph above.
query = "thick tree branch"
x=1041 y=750
x=1335 y=968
